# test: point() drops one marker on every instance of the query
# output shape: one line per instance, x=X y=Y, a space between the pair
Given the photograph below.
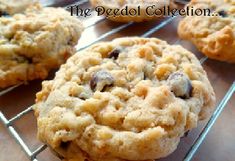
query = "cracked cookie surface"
x=13 y=6
x=33 y=43
x=128 y=99
x=138 y=5
x=213 y=35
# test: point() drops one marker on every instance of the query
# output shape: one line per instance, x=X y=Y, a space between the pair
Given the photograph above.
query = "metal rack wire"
x=32 y=154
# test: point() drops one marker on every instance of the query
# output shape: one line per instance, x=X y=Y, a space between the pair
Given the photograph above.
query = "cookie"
x=10 y=7
x=212 y=35
x=128 y=99
x=33 y=43
x=130 y=10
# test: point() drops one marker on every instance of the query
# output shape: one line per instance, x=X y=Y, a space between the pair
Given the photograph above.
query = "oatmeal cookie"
x=139 y=6
x=33 y=43
x=13 y=6
x=213 y=35
x=129 y=99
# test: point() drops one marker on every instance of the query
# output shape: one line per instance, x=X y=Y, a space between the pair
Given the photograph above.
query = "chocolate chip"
x=186 y=134
x=29 y=60
x=114 y=54
x=180 y=85
x=145 y=76
x=100 y=80
x=24 y=59
x=223 y=13
x=65 y=145
x=4 y=14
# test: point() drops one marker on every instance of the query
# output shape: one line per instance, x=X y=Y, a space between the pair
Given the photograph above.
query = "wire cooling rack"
x=32 y=154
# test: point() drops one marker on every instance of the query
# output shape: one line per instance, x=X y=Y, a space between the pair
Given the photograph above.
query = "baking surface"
x=219 y=144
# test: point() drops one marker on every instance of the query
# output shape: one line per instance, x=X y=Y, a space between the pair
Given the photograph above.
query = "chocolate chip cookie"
x=213 y=35
x=129 y=99
x=10 y=7
x=33 y=43
x=130 y=10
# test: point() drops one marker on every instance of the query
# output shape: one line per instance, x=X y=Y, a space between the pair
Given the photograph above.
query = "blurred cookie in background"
x=212 y=34
x=10 y=7
x=33 y=43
